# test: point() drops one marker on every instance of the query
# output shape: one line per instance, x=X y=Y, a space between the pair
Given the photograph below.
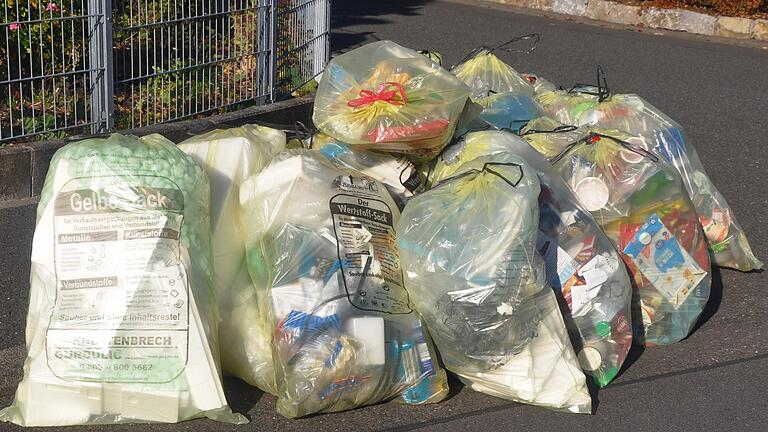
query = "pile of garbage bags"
x=475 y=220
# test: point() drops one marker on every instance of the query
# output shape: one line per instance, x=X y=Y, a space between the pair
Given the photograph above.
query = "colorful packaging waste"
x=632 y=114
x=122 y=323
x=322 y=253
x=567 y=106
x=642 y=206
x=468 y=250
x=597 y=107
x=388 y=98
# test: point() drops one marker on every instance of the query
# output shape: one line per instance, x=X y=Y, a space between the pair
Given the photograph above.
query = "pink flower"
x=52 y=7
x=14 y=26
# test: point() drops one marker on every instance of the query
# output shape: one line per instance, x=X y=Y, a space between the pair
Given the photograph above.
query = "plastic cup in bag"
x=581 y=264
x=468 y=249
x=322 y=254
x=648 y=216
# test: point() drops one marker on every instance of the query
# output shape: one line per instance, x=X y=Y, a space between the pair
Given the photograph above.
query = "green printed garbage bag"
x=122 y=322
x=322 y=253
x=229 y=157
x=581 y=264
x=468 y=250
x=387 y=98
x=632 y=114
x=398 y=174
x=641 y=204
x=549 y=137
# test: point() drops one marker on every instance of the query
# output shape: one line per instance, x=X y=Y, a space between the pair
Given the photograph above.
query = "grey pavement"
x=714 y=380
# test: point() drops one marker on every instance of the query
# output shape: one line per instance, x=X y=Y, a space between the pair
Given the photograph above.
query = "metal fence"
x=89 y=66
x=302 y=41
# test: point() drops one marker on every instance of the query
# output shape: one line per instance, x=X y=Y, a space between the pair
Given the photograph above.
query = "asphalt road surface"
x=714 y=380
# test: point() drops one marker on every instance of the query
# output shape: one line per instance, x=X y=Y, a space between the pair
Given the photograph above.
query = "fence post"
x=109 y=68
x=273 y=53
x=329 y=8
x=100 y=64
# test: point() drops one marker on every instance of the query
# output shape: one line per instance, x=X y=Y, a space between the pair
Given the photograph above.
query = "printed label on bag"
x=122 y=299
x=368 y=254
x=660 y=258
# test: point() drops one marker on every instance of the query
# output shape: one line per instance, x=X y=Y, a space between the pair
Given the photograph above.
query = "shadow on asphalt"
x=715 y=298
x=241 y=396
x=454 y=385
x=348 y=13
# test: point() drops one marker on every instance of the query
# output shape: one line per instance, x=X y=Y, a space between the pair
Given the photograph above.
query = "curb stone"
x=733 y=27
x=570 y=7
x=652 y=17
x=679 y=19
x=760 y=30
x=544 y=5
x=613 y=12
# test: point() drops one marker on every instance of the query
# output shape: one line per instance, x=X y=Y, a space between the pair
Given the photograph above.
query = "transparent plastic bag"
x=388 y=98
x=468 y=250
x=581 y=263
x=567 y=106
x=485 y=73
x=229 y=157
x=631 y=114
x=549 y=137
x=398 y=174
x=540 y=84
x=321 y=251
x=642 y=206
x=505 y=94
x=122 y=322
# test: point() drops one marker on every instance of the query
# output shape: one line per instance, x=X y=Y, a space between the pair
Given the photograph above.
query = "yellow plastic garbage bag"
x=387 y=98
x=641 y=204
x=229 y=157
x=322 y=253
x=468 y=250
x=581 y=264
